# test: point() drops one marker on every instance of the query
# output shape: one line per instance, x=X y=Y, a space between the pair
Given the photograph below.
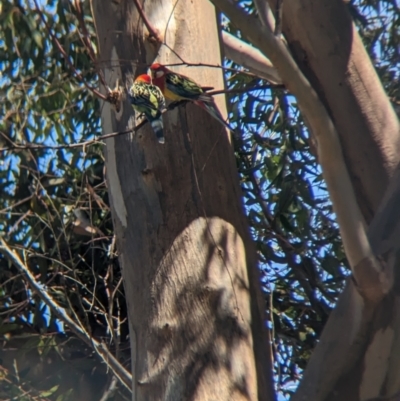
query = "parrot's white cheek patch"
x=159 y=74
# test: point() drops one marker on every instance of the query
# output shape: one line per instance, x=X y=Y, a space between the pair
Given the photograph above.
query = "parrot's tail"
x=158 y=129
x=206 y=98
x=212 y=109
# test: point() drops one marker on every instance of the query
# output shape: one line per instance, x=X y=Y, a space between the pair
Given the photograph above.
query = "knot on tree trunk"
x=372 y=279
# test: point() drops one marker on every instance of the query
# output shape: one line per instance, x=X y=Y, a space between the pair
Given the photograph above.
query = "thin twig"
x=235 y=70
x=244 y=90
x=20 y=202
x=30 y=146
x=182 y=63
x=174 y=52
x=154 y=33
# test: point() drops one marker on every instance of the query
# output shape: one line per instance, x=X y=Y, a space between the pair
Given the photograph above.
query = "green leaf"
x=37 y=37
x=50 y=392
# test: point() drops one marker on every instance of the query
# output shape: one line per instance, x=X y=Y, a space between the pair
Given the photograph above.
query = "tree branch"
x=33 y=146
x=249 y=57
x=154 y=33
x=17 y=146
x=265 y=14
x=244 y=90
x=351 y=222
x=101 y=349
x=186 y=63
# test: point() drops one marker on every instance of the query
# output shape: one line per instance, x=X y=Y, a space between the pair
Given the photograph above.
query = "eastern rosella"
x=149 y=100
x=179 y=87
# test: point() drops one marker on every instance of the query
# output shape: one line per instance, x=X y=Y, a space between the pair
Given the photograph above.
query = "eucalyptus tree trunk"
x=189 y=269
x=358 y=355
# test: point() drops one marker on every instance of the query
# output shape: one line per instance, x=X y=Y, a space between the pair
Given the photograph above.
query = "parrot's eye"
x=159 y=74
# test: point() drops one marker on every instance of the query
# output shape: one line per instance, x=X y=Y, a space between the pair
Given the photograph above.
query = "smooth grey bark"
x=358 y=354
x=195 y=307
x=326 y=46
x=249 y=57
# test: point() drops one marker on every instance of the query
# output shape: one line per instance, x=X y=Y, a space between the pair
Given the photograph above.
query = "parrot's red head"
x=158 y=70
x=143 y=78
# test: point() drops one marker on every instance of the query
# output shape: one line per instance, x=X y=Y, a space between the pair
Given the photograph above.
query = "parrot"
x=179 y=87
x=148 y=99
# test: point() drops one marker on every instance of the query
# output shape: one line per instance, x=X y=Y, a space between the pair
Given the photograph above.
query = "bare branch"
x=186 y=63
x=16 y=146
x=20 y=202
x=101 y=349
x=265 y=14
x=244 y=90
x=113 y=63
x=154 y=33
x=31 y=146
x=249 y=57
